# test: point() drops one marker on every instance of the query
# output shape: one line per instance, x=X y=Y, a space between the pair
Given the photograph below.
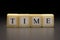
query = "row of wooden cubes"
x=30 y=20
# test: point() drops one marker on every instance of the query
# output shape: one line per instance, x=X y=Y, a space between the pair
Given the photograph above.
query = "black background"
x=28 y=7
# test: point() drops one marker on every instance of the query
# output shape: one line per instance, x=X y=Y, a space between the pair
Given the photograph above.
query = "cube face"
x=48 y=20
x=24 y=21
x=36 y=20
x=12 y=20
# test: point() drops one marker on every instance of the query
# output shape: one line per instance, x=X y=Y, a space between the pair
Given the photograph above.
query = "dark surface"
x=30 y=33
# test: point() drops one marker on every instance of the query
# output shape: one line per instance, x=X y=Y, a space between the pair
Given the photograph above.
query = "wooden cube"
x=47 y=20
x=36 y=20
x=12 y=20
x=24 y=20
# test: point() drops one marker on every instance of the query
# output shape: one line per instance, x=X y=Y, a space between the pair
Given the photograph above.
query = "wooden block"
x=12 y=20
x=30 y=20
x=36 y=20
x=48 y=20
x=24 y=20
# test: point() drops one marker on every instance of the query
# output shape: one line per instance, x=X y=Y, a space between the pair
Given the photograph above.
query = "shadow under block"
x=48 y=20
x=24 y=20
x=36 y=20
x=12 y=20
